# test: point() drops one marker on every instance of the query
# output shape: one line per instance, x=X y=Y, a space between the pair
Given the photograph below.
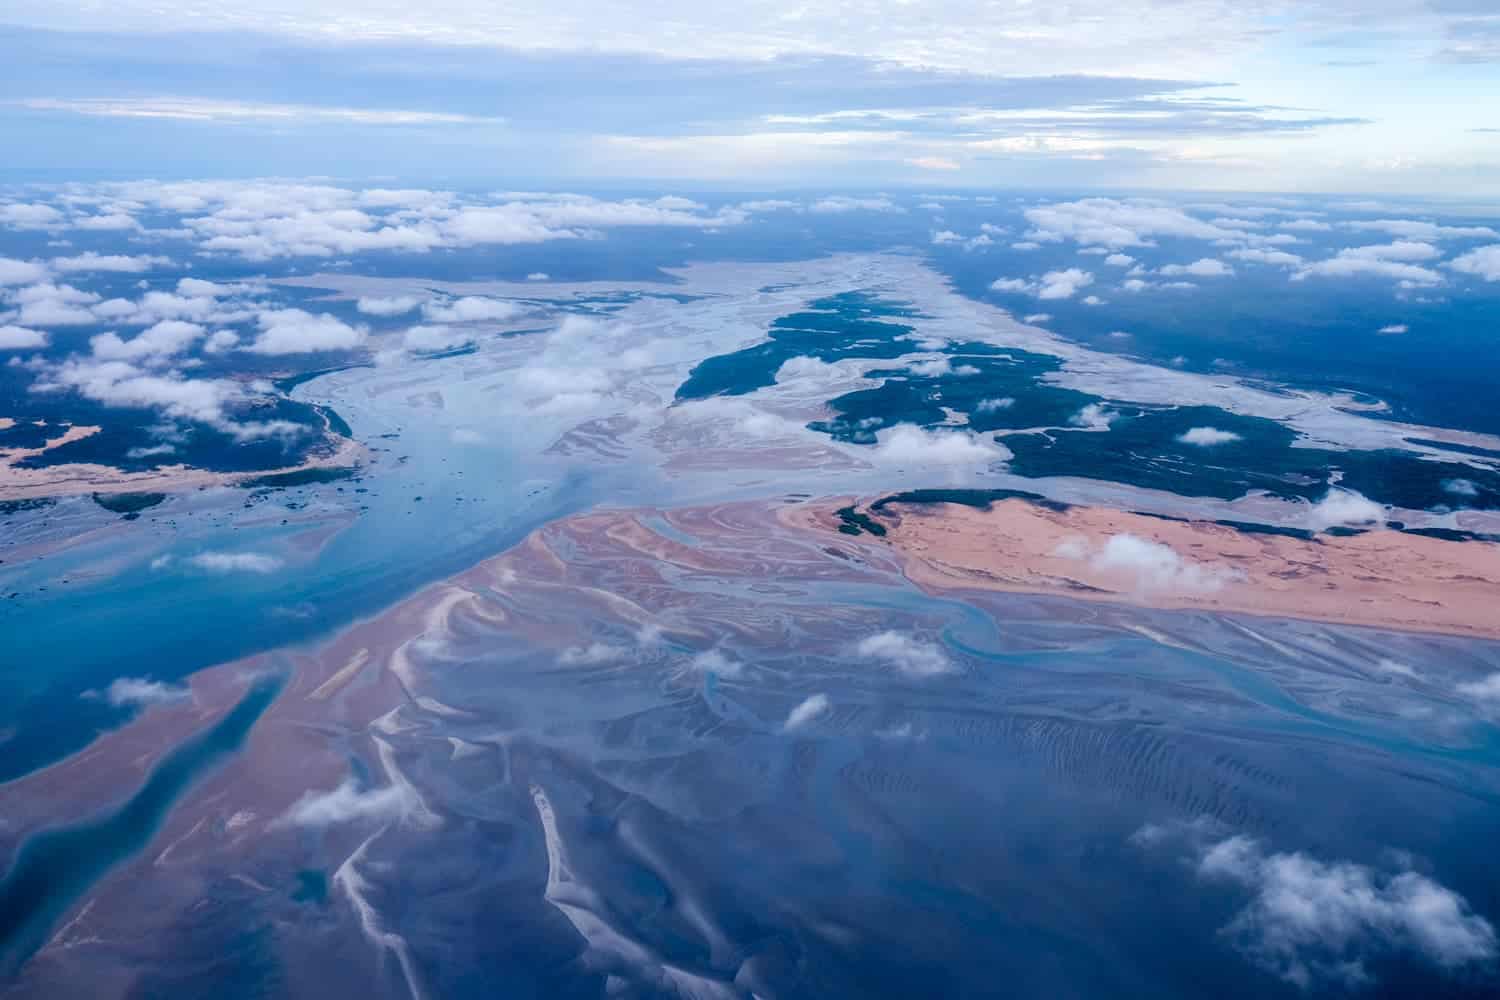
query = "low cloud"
x=429 y=338
x=1112 y=223
x=1053 y=285
x=939 y=367
x=806 y=712
x=1345 y=509
x=906 y=654
x=141 y=692
x=1150 y=565
x=994 y=405
x=295 y=331
x=1417 y=229
x=235 y=562
x=1388 y=260
x=1394 y=328
x=1485 y=691
x=1063 y=284
x=346 y=804
x=593 y=655
x=713 y=661
x=1203 y=267
x=1313 y=922
x=116 y=263
x=1094 y=417
x=1207 y=437
x=392 y=305
x=840 y=204
x=1482 y=263
x=20 y=338
x=21 y=272
x=160 y=341
x=1256 y=255
x=908 y=444
x=471 y=309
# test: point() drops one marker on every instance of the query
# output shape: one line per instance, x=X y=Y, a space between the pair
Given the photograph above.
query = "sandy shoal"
x=1384 y=578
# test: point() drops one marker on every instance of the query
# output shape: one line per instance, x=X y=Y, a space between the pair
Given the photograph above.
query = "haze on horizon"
x=1348 y=96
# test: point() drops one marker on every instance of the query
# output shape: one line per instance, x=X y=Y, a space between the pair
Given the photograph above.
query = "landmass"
x=1381 y=577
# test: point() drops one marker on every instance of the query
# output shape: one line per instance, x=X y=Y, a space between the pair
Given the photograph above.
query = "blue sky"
x=1396 y=96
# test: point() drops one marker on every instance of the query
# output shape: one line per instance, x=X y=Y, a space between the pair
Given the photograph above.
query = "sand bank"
x=86 y=477
x=1382 y=578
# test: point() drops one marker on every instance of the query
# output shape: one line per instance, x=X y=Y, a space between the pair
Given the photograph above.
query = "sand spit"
x=1382 y=578
x=86 y=477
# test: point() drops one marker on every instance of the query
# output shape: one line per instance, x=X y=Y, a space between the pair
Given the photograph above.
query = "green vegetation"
x=855 y=522
x=298 y=477
x=128 y=503
x=969 y=498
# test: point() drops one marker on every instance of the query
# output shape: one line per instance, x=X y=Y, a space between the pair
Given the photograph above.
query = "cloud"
x=806 y=712
x=1461 y=487
x=1063 y=284
x=434 y=338
x=1406 y=250
x=1207 y=436
x=1107 y=222
x=347 y=804
x=1486 y=691
x=393 y=305
x=1354 y=262
x=1203 y=267
x=20 y=338
x=141 y=692
x=908 y=444
x=1344 y=508
x=1037 y=318
x=294 y=331
x=934 y=163
x=118 y=263
x=1094 y=417
x=1119 y=260
x=50 y=304
x=839 y=204
x=20 y=215
x=1415 y=229
x=714 y=661
x=109 y=222
x=1482 y=263
x=593 y=655
x=909 y=655
x=994 y=405
x=197 y=109
x=1306 y=226
x=938 y=367
x=1152 y=565
x=235 y=562
x=21 y=272
x=1394 y=328
x=220 y=341
x=471 y=309
x=1256 y=255
x=120 y=383
x=159 y=341
x=1311 y=921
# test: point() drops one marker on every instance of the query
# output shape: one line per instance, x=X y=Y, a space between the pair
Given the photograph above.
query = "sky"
x=1378 y=96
